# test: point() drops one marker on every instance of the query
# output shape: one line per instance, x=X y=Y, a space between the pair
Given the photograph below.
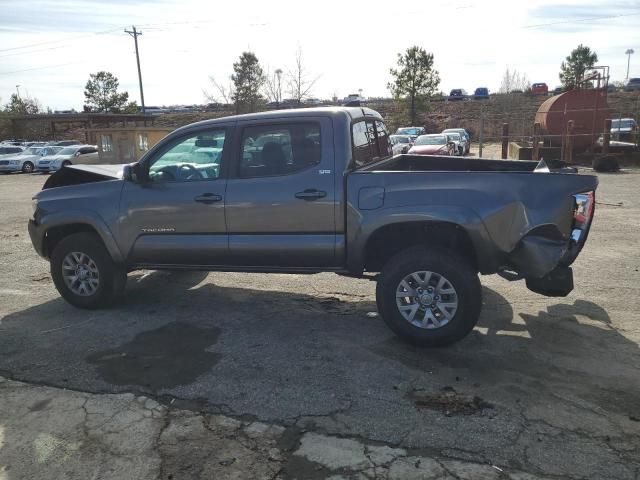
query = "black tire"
x=112 y=278
x=28 y=167
x=66 y=163
x=459 y=273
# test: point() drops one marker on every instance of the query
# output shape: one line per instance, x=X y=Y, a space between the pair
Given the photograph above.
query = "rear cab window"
x=370 y=141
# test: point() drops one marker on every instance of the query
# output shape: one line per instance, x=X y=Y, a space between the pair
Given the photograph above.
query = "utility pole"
x=135 y=34
x=629 y=52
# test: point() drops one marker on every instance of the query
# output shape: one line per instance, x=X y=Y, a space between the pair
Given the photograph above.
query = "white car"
x=26 y=161
x=458 y=141
x=65 y=156
x=10 y=150
x=400 y=143
x=466 y=138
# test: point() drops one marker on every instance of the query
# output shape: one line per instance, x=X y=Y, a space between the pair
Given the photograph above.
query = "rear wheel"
x=28 y=167
x=84 y=273
x=429 y=296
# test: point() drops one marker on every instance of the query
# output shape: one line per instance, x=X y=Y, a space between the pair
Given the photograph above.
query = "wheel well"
x=391 y=239
x=53 y=236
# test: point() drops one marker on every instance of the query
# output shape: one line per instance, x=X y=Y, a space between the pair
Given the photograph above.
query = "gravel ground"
x=546 y=386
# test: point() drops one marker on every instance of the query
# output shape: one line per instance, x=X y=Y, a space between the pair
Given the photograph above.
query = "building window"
x=143 y=142
x=106 y=143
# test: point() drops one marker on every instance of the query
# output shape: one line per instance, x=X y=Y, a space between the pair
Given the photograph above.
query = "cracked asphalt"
x=543 y=387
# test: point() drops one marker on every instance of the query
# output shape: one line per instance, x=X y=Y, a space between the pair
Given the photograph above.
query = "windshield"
x=32 y=151
x=400 y=139
x=68 y=151
x=454 y=136
x=431 y=140
x=624 y=123
x=50 y=151
x=409 y=131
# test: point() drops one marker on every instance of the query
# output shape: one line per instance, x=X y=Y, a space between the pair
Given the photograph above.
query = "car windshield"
x=624 y=123
x=400 y=139
x=51 y=151
x=454 y=136
x=68 y=151
x=409 y=131
x=32 y=151
x=431 y=140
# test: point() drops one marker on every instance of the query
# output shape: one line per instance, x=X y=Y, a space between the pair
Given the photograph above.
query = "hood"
x=77 y=174
x=428 y=149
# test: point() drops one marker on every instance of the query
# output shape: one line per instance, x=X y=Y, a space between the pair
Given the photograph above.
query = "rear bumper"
x=36 y=234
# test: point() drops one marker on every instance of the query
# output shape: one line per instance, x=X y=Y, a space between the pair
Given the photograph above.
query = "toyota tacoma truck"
x=317 y=190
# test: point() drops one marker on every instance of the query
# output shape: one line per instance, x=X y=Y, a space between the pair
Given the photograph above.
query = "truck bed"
x=435 y=163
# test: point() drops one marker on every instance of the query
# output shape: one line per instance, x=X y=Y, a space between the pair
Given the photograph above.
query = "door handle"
x=311 y=194
x=208 y=198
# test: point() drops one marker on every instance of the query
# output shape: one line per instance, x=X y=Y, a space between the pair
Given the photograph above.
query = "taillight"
x=582 y=214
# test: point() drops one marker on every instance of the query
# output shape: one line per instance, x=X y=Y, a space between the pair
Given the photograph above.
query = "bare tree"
x=300 y=82
x=273 y=86
x=514 y=80
x=221 y=91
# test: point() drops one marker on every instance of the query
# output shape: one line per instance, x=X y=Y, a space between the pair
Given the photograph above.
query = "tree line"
x=414 y=82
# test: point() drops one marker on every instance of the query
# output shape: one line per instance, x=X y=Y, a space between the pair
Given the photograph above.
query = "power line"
x=603 y=17
x=40 y=68
x=53 y=42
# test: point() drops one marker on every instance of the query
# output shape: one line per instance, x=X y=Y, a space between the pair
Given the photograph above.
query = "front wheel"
x=28 y=167
x=84 y=273
x=429 y=296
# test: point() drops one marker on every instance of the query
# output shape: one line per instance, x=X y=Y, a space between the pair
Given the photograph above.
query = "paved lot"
x=546 y=386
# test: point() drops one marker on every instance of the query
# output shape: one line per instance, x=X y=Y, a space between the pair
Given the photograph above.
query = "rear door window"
x=271 y=150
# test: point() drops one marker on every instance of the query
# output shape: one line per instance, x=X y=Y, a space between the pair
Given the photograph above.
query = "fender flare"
x=86 y=217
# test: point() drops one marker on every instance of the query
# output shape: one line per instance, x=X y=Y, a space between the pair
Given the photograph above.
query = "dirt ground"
x=548 y=386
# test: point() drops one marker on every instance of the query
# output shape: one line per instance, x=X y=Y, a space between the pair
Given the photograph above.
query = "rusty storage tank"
x=588 y=108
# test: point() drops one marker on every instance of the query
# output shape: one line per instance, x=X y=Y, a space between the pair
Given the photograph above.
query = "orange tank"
x=588 y=108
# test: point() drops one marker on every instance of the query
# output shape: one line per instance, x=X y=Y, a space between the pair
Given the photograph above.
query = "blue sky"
x=49 y=47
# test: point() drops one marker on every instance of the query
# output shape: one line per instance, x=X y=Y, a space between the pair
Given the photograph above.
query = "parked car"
x=334 y=200
x=433 y=144
x=632 y=85
x=539 y=89
x=353 y=97
x=557 y=91
x=457 y=94
x=312 y=101
x=413 y=132
x=9 y=150
x=458 y=142
x=66 y=156
x=401 y=143
x=65 y=143
x=36 y=144
x=466 y=136
x=15 y=143
x=481 y=93
x=624 y=130
x=25 y=161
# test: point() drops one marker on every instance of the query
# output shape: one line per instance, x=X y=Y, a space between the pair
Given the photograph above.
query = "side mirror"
x=127 y=173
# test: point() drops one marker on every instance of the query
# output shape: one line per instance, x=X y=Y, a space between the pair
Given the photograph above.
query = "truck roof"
x=351 y=112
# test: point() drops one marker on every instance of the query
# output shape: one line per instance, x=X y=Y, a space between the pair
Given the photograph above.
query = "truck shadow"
x=175 y=329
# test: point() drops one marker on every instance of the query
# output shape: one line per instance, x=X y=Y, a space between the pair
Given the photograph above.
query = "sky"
x=49 y=47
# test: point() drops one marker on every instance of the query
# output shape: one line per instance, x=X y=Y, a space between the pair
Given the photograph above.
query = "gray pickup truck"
x=317 y=190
